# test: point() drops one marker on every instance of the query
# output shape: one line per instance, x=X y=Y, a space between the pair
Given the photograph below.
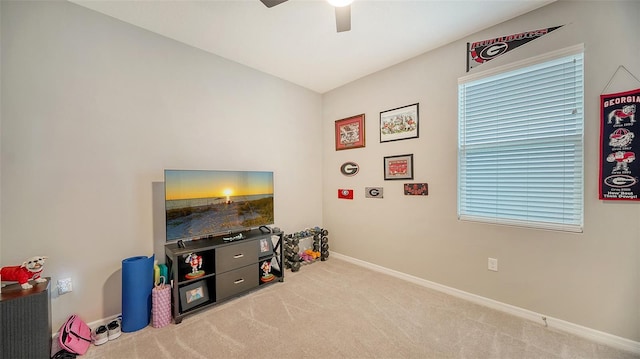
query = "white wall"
x=591 y=279
x=93 y=111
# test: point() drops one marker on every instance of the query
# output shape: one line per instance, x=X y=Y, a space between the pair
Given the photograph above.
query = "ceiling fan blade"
x=343 y=18
x=272 y=3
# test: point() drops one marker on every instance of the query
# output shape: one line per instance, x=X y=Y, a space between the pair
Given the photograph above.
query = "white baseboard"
x=104 y=321
x=588 y=333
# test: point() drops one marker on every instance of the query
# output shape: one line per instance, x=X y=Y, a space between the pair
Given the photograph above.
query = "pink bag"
x=75 y=335
x=161 y=304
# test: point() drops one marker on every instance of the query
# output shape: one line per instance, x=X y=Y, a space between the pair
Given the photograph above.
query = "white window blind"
x=520 y=146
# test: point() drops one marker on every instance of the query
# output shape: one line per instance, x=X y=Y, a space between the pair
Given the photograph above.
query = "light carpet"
x=336 y=309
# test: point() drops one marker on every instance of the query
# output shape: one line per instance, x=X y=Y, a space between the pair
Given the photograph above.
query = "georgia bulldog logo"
x=489 y=52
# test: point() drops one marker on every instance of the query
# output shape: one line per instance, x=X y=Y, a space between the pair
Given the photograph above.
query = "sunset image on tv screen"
x=204 y=203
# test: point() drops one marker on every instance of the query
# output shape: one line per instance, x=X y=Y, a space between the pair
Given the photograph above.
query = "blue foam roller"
x=137 y=284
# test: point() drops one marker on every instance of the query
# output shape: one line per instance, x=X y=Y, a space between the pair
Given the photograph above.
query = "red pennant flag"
x=345 y=193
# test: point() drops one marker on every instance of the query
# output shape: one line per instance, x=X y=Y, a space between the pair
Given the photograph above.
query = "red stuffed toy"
x=30 y=269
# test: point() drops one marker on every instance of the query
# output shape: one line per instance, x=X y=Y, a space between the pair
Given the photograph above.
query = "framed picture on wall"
x=398 y=167
x=399 y=124
x=350 y=132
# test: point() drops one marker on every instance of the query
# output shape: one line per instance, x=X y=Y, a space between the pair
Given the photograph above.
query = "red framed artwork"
x=398 y=167
x=350 y=132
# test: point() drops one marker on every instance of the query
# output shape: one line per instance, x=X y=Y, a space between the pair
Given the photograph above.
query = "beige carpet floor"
x=335 y=309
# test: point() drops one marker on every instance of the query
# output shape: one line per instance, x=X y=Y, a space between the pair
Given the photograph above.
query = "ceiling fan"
x=343 y=12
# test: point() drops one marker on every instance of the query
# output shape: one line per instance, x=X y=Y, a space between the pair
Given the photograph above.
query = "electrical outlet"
x=493 y=264
x=64 y=286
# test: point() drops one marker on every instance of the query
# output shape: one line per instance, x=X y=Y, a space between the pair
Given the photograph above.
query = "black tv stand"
x=228 y=269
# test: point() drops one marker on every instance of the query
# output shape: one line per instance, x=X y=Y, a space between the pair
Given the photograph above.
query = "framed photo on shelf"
x=398 y=167
x=399 y=124
x=350 y=132
x=266 y=247
x=193 y=295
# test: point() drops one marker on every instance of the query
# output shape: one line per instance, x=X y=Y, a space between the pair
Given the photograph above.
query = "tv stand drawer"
x=236 y=255
x=236 y=281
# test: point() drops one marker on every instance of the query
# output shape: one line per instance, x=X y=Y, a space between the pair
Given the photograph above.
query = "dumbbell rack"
x=292 y=250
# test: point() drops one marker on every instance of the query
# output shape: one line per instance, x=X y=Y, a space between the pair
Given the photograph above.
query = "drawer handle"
x=239 y=281
x=238 y=256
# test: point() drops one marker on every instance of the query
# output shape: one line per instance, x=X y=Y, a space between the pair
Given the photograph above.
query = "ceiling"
x=297 y=40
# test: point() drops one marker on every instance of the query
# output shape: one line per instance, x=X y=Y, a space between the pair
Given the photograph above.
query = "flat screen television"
x=206 y=203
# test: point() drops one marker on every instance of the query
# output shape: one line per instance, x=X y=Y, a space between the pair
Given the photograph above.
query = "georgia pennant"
x=345 y=193
x=480 y=52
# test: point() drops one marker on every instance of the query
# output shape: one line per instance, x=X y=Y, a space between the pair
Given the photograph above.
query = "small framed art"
x=266 y=247
x=350 y=132
x=399 y=124
x=193 y=294
x=398 y=167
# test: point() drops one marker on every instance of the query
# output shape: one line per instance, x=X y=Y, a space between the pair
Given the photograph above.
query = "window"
x=520 y=143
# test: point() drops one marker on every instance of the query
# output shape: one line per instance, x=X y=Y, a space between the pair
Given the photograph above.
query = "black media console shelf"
x=205 y=272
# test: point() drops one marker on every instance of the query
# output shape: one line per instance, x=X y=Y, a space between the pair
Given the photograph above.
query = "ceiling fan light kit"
x=342 y=7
